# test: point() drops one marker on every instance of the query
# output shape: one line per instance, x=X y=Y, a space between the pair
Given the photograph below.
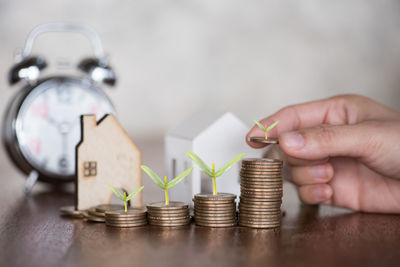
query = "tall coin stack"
x=132 y=218
x=174 y=214
x=215 y=210
x=260 y=193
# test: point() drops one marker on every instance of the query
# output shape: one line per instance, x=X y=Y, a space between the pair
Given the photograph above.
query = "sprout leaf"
x=228 y=165
x=134 y=193
x=272 y=126
x=200 y=163
x=116 y=192
x=153 y=176
x=259 y=125
x=179 y=178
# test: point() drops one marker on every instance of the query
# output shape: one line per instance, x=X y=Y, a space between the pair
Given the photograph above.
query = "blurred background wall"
x=174 y=58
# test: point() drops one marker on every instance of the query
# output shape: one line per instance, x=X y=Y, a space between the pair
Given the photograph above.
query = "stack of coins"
x=98 y=213
x=215 y=210
x=132 y=218
x=260 y=193
x=174 y=214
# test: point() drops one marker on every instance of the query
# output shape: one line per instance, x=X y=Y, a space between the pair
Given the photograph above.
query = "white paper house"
x=215 y=138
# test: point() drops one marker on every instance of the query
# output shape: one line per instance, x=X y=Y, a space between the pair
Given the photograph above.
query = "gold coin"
x=214 y=206
x=93 y=212
x=262 y=209
x=261 y=168
x=95 y=218
x=157 y=223
x=261 y=160
x=264 y=225
x=171 y=206
x=167 y=218
x=158 y=214
x=130 y=213
x=71 y=211
x=127 y=224
x=215 y=225
x=262 y=140
x=265 y=202
x=105 y=207
x=217 y=197
x=205 y=213
x=257 y=189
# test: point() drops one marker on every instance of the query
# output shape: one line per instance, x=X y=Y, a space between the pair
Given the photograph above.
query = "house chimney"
x=88 y=122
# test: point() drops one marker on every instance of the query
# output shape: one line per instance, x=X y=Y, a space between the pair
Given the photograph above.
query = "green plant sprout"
x=265 y=128
x=123 y=197
x=165 y=185
x=211 y=172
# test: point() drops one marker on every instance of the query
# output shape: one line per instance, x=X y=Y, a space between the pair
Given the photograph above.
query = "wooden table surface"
x=33 y=234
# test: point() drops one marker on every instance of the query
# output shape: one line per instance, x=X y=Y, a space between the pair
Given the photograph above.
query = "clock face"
x=48 y=122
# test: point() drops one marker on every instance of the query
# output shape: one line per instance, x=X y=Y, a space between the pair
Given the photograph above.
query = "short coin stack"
x=132 y=218
x=215 y=210
x=261 y=193
x=98 y=213
x=175 y=214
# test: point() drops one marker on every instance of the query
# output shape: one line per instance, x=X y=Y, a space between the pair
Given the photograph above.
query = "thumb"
x=325 y=141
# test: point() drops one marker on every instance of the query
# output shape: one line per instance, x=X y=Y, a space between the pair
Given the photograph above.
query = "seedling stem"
x=126 y=209
x=214 y=181
x=166 y=191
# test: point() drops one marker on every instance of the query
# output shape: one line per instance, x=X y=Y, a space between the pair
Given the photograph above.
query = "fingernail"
x=319 y=194
x=292 y=140
x=318 y=172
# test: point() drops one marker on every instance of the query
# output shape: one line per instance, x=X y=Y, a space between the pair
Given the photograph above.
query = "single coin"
x=167 y=218
x=125 y=221
x=130 y=213
x=160 y=214
x=261 y=171
x=216 y=225
x=218 y=196
x=260 y=160
x=105 y=207
x=259 y=195
x=95 y=218
x=171 y=206
x=259 y=209
x=127 y=224
x=262 y=177
x=127 y=218
x=261 y=184
x=157 y=223
x=260 y=215
x=257 y=189
x=205 y=213
x=262 y=140
x=93 y=212
x=212 y=217
x=71 y=211
x=260 y=226
x=259 y=219
x=206 y=206
x=212 y=201
x=264 y=202
x=252 y=193
x=258 y=167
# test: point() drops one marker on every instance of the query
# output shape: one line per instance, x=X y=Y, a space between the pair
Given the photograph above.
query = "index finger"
x=337 y=110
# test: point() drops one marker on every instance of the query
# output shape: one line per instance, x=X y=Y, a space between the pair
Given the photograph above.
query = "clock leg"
x=30 y=182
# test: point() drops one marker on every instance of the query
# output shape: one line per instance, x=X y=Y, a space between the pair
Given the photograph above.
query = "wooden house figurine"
x=106 y=156
x=215 y=138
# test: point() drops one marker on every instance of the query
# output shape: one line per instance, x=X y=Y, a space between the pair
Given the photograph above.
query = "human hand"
x=343 y=151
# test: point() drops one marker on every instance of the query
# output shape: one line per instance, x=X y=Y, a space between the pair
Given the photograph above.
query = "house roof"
x=199 y=123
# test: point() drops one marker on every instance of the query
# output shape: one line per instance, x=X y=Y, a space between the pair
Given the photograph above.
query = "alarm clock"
x=41 y=127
